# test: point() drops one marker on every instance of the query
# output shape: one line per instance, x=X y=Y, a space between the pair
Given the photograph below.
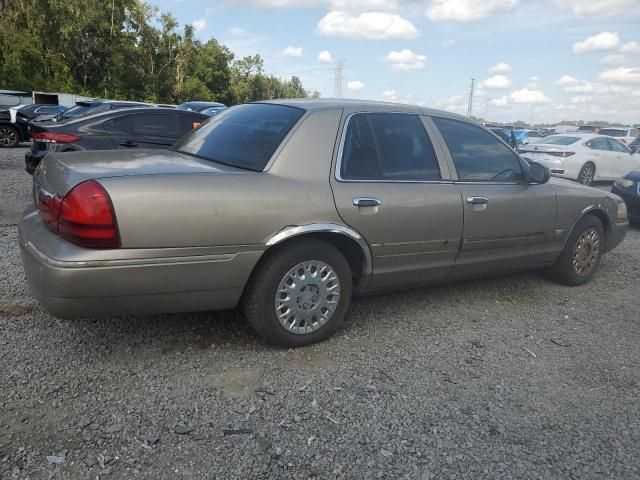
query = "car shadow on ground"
x=229 y=330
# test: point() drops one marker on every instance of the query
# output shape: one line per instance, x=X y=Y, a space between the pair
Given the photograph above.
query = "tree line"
x=125 y=49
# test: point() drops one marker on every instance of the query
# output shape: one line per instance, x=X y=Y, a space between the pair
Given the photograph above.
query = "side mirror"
x=538 y=173
x=633 y=149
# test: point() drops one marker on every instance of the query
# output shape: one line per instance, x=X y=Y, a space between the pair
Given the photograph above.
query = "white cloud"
x=355 y=85
x=598 y=43
x=500 y=102
x=500 y=68
x=621 y=75
x=528 y=96
x=567 y=80
x=389 y=96
x=405 y=59
x=586 y=8
x=615 y=59
x=580 y=87
x=581 y=99
x=467 y=10
x=497 y=82
x=325 y=57
x=292 y=51
x=630 y=47
x=198 y=25
x=353 y=5
x=369 y=25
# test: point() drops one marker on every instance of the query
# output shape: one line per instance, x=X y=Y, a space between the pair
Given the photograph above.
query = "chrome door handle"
x=366 y=202
x=477 y=200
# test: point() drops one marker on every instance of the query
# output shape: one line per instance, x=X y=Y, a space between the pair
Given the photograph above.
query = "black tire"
x=587 y=174
x=9 y=136
x=260 y=294
x=563 y=270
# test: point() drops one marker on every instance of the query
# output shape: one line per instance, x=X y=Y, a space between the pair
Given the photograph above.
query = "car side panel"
x=232 y=207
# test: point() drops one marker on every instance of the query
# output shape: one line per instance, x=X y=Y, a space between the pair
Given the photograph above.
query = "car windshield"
x=245 y=136
x=560 y=140
x=613 y=132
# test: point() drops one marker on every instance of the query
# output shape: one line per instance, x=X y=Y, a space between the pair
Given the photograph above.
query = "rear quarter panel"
x=232 y=207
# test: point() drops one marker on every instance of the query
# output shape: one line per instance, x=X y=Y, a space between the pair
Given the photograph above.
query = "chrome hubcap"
x=587 y=175
x=307 y=297
x=586 y=252
x=7 y=136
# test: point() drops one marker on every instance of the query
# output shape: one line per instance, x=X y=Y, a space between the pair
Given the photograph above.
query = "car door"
x=508 y=223
x=603 y=157
x=625 y=160
x=143 y=130
x=392 y=187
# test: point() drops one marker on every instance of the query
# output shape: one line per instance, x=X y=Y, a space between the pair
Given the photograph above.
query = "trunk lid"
x=60 y=172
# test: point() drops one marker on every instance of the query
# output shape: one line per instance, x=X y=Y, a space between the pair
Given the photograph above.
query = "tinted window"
x=586 y=128
x=613 y=132
x=150 y=125
x=560 y=140
x=245 y=136
x=478 y=155
x=617 y=146
x=388 y=146
x=598 y=144
x=189 y=121
x=534 y=134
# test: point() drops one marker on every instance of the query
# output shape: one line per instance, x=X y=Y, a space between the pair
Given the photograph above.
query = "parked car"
x=211 y=111
x=200 y=106
x=588 y=129
x=88 y=107
x=628 y=187
x=289 y=207
x=506 y=135
x=14 y=122
x=130 y=128
x=625 y=135
x=583 y=157
x=526 y=136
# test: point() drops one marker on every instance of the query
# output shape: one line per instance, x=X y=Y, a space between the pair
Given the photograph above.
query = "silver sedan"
x=291 y=207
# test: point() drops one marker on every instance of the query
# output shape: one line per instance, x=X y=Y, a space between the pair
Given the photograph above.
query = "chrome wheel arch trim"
x=335 y=228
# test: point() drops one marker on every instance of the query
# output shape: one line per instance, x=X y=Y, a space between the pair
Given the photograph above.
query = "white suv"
x=626 y=135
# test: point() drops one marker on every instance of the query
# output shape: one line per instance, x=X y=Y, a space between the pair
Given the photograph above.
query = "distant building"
x=9 y=98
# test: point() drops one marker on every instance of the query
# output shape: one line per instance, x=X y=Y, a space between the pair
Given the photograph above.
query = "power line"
x=337 y=89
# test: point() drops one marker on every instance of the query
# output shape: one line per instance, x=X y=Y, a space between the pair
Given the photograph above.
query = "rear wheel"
x=581 y=256
x=9 y=136
x=587 y=173
x=300 y=294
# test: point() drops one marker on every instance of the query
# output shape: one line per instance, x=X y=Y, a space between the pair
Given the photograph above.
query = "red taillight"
x=85 y=216
x=561 y=154
x=55 y=137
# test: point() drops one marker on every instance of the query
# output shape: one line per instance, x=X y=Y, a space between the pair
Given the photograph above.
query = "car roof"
x=314 y=104
x=126 y=111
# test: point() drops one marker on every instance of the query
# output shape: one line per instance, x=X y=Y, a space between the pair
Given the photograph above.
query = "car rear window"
x=245 y=136
x=613 y=132
x=560 y=140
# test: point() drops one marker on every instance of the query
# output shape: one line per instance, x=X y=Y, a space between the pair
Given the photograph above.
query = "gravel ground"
x=504 y=378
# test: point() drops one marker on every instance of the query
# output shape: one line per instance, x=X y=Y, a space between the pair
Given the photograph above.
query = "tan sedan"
x=290 y=207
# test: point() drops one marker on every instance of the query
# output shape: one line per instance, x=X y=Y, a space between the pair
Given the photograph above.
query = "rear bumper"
x=75 y=282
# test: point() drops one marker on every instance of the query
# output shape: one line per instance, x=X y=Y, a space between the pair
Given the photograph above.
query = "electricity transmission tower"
x=337 y=89
x=470 y=106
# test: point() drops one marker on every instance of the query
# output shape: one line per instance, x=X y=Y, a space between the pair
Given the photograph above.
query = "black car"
x=628 y=187
x=131 y=128
x=14 y=122
x=88 y=107
x=211 y=107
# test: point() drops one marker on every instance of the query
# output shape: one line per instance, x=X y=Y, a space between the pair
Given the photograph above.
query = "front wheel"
x=587 y=174
x=581 y=256
x=9 y=136
x=300 y=294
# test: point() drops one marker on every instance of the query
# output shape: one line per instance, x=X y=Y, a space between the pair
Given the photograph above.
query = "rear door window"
x=618 y=146
x=188 y=121
x=388 y=146
x=478 y=156
x=600 y=143
x=245 y=136
x=149 y=125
